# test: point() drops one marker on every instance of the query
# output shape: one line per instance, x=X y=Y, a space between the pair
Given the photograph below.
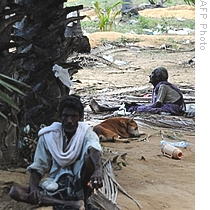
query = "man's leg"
x=21 y=193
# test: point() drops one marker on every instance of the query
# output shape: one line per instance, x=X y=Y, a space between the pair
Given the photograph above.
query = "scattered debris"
x=171 y=151
x=183 y=144
x=142 y=158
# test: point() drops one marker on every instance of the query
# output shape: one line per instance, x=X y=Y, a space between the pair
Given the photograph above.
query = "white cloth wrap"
x=54 y=139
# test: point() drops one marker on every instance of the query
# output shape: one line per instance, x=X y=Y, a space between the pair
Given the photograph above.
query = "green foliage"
x=90 y=26
x=107 y=15
x=9 y=84
x=142 y=24
x=139 y=25
x=190 y=2
x=124 y=40
x=88 y=3
x=121 y=164
x=146 y=22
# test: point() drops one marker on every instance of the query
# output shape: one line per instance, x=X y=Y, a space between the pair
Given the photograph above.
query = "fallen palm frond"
x=136 y=47
x=147 y=136
x=173 y=122
x=187 y=99
x=170 y=135
x=101 y=201
x=107 y=195
x=10 y=85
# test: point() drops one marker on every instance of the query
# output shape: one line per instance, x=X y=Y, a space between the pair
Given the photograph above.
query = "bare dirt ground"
x=155 y=181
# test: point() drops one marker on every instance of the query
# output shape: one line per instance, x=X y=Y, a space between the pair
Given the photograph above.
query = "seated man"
x=166 y=97
x=70 y=154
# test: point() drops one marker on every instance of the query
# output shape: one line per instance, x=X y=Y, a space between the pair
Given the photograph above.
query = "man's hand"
x=157 y=105
x=34 y=197
x=96 y=178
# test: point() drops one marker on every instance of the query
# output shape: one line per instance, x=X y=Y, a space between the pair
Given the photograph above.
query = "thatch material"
x=172 y=122
x=106 y=197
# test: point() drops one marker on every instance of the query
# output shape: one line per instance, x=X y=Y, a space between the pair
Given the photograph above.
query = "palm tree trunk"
x=32 y=41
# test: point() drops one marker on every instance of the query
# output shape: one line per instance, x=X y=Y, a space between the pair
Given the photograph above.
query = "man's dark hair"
x=161 y=73
x=72 y=101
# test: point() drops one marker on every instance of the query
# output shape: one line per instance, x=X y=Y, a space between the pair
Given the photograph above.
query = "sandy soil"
x=155 y=181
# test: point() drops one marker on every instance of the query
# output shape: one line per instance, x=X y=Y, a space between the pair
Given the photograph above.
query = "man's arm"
x=97 y=176
x=34 y=194
x=37 y=169
x=162 y=92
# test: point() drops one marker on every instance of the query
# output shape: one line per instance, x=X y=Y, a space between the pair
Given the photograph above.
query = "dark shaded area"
x=32 y=41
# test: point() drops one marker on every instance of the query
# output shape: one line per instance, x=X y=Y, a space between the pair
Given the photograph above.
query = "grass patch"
x=140 y=25
x=89 y=3
x=124 y=39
